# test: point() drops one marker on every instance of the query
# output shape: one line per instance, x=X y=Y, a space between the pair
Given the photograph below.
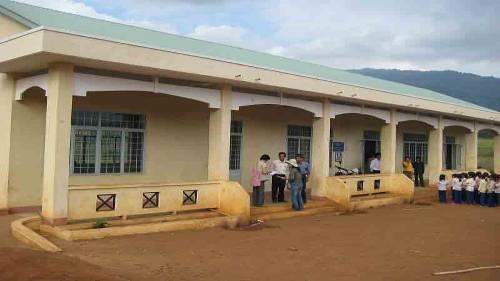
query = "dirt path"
x=392 y=243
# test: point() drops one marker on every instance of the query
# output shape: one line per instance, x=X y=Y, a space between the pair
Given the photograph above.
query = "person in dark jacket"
x=419 y=169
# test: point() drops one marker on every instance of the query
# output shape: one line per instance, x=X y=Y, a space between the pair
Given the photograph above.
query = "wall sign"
x=338 y=146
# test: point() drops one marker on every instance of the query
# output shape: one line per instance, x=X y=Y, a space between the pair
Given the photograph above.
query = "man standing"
x=279 y=176
x=305 y=170
x=419 y=169
x=375 y=164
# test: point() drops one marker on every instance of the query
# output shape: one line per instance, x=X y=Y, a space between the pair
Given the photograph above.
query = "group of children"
x=471 y=188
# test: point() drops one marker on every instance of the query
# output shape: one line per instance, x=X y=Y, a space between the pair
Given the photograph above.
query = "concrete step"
x=283 y=207
x=186 y=215
x=365 y=202
x=187 y=221
x=291 y=213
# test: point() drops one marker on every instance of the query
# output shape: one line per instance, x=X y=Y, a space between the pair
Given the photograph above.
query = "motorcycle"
x=346 y=172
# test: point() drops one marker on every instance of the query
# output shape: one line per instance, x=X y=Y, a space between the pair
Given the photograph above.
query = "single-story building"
x=103 y=119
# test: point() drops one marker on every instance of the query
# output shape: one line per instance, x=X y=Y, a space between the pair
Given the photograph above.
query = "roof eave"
x=132 y=57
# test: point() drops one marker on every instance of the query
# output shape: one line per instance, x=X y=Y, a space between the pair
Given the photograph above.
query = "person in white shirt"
x=470 y=184
x=375 y=164
x=483 y=189
x=279 y=177
x=494 y=190
x=442 y=185
x=478 y=178
x=457 y=188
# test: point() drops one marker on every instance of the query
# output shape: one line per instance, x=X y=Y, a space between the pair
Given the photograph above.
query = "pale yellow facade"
x=187 y=132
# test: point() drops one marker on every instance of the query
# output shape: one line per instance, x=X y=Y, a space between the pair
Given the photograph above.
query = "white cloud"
x=70 y=6
x=79 y=8
x=223 y=34
x=413 y=34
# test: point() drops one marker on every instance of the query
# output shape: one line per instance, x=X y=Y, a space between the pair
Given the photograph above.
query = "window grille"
x=371 y=135
x=111 y=142
x=134 y=150
x=235 y=145
x=84 y=151
x=299 y=142
x=449 y=139
x=452 y=161
x=415 y=145
x=107 y=143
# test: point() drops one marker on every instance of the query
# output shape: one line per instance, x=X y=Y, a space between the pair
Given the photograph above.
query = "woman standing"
x=296 y=185
x=260 y=175
x=408 y=168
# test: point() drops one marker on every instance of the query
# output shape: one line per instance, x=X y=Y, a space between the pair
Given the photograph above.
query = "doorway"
x=370 y=146
x=370 y=149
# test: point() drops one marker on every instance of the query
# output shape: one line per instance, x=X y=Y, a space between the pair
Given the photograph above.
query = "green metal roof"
x=33 y=16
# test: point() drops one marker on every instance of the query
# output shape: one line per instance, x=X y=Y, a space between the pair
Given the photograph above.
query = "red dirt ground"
x=407 y=242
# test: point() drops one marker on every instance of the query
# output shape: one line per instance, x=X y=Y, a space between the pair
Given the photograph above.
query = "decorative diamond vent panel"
x=105 y=202
x=150 y=200
x=190 y=197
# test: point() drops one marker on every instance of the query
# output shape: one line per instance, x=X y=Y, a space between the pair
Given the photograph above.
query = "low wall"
x=341 y=189
x=105 y=201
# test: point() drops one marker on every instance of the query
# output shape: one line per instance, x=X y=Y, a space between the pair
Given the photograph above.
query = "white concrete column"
x=7 y=93
x=496 y=154
x=435 y=164
x=219 y=137
x=388 y=146
x=57 y=144
x=471 y=151
x=320 y=152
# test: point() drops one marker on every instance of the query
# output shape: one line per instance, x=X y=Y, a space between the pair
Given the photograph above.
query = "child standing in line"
x=491 y=190
x=483 y=189
x=478 y=178
x=470 y=185
x=496 y=195
x=457 y=188
x=442 y=185
x=464 y=186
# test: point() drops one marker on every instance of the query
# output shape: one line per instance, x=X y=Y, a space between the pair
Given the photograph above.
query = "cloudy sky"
x=461 y=35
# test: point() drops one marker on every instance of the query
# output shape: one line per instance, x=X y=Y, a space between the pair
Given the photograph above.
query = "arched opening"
x=412 y=139
x=138 y=137
x=486 y=149
x=355 y=140
x=267 y=129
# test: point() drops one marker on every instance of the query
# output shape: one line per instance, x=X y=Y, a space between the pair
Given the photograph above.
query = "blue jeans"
x=470 y=197
x=258 y=194
x=297 y=203
x=457 y=198
x=442 y=196
x=483 y=198
x=492 y=199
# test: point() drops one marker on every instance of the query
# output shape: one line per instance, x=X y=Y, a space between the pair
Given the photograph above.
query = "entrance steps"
x=375 y=201
x=194 y=220
x=284 y=210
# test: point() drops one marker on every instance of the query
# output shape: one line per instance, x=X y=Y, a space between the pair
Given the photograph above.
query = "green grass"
x=485 y=153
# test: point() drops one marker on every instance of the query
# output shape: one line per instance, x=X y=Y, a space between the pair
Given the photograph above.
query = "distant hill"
x=481 y=90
